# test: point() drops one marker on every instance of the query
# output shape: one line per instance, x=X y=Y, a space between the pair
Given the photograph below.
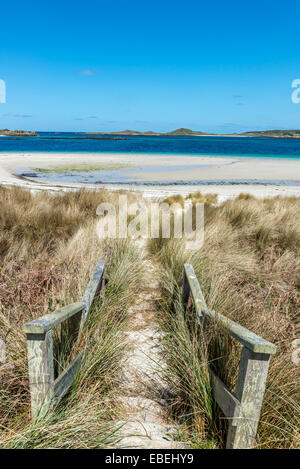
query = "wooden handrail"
x=244 y=336
x=243 y=407
x=49 y=321
x=96 y=283
x=45 y=391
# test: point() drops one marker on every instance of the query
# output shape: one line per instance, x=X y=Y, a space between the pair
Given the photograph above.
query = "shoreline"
x=155 y=167
x=153 y=153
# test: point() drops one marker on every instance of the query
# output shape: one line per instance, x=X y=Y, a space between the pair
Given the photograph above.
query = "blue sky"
x=217 y=66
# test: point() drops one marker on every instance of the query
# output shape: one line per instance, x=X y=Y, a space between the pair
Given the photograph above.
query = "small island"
x=149 y=133
x=17 y=133
x=183 y=132
x=272 y=134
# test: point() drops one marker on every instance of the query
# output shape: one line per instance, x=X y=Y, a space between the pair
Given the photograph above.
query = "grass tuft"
x=249 y=271
x=51 y=248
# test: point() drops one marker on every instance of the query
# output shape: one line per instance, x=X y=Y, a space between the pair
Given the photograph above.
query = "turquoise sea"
x=221 y=146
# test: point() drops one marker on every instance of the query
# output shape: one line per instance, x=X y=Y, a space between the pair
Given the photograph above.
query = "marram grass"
x=249 y=271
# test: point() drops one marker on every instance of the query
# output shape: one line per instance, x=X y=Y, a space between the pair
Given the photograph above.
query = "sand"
x=154 y=167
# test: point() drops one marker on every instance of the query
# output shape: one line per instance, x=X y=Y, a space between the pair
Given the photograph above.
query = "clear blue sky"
x=93 y=65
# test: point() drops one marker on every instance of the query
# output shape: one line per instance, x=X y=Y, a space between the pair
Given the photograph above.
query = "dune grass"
x=249 y=271
x=49 y=250
x=194 y=198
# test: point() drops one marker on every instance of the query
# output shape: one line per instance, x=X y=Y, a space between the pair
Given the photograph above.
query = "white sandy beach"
x=163 y=167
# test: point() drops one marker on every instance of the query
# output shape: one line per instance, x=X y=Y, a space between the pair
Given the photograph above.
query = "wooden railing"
x=243 y=407
x=45 y=391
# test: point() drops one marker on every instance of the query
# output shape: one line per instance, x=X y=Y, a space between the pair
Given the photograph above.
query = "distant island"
x=174 y=133
x=17 y=133
x=194 y=133
x=272 y=134
x=181 y=131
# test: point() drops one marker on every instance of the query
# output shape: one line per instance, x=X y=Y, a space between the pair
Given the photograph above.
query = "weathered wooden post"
x=40 y=357
x=95 y=287
x=249 y=390
x=186 y=291
x=191 y=290
x=41 y=371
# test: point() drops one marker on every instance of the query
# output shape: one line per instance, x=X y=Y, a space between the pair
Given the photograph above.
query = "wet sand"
x=166 y=168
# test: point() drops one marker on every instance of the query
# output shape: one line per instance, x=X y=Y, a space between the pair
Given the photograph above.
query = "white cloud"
x=23 y=116
x=86 y=72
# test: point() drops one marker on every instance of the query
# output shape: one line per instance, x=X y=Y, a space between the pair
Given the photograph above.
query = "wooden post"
x=249 y=391
x=186 y=291
x=93 y=289
x=41 y=372
x=102 y=289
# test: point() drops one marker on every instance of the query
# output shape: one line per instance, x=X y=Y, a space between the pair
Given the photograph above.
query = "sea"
x=75 y=142
x=177 y=145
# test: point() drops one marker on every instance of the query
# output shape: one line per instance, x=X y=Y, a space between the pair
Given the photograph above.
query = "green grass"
x=84 y=167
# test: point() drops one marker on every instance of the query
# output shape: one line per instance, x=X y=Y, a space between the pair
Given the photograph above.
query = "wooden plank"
x=63 y=383
x=47 y=322
x=41 y=372
x=250 y=340
x=198 y=298
x=186 y=291
x=93 y=289
x=250 y=390
x=229 y=404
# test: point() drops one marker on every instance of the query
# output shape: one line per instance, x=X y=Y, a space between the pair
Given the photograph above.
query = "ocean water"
x=221 y=146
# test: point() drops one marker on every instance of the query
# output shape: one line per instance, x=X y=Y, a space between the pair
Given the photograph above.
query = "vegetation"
x=273 y=133
x=249 y=271
x=48 y=251
x=84 y=167
x=194 y=198
x=183 y=131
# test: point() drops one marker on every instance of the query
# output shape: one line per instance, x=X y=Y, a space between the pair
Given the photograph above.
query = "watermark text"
x=296 y=92
x=2 y=91
x=151 y=220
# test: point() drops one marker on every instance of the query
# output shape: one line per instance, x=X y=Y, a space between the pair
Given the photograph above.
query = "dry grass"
x=249 y=270
x=195 y=197
x=49 y=249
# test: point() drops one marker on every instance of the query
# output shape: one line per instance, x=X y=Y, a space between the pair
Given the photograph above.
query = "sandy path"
x=143 y=392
